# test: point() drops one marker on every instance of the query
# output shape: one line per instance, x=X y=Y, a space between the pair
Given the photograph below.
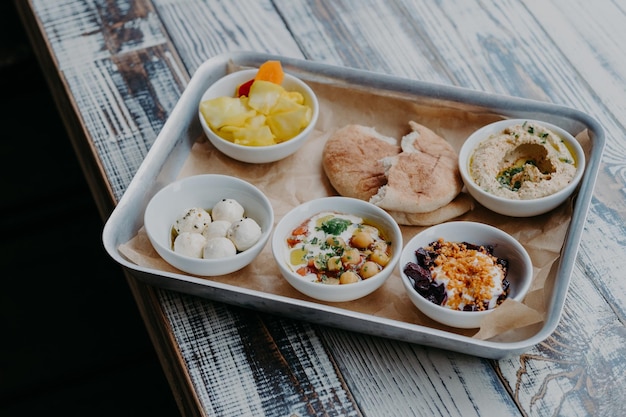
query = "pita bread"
x=415 y=179
x=460 y=205
x=423 y=177
x=351 y=160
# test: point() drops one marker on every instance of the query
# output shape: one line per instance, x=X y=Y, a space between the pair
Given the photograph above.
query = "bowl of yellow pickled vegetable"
x=258 y=115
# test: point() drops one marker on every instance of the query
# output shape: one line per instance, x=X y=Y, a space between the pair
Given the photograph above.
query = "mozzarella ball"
x=227 y=209
x=244 y=233
x=194 y=220
x=219 y=247
x=189 y=244
x=217 y=228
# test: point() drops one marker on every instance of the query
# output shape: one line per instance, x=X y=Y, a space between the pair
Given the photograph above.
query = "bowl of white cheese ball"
x=209 y=225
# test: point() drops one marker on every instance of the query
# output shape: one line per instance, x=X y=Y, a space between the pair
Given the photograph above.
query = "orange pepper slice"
x=271 y=71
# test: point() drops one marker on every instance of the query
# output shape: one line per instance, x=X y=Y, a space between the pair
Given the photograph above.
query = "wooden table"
x=117 y=69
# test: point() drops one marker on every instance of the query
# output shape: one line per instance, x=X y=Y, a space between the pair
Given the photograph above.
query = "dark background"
x=72 y=342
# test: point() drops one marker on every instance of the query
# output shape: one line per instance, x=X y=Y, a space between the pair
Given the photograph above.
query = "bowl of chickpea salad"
x=336 y=249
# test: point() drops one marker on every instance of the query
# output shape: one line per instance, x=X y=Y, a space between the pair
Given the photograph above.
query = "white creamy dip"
x=523 y=162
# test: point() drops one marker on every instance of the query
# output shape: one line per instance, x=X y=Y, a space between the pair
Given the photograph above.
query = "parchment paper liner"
x=300 y=177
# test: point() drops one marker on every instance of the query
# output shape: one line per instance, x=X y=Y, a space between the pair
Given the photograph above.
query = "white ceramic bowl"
x=226 y=86
x=345 y=292
x=518 y=208
x=520 y=273
x=205 y=191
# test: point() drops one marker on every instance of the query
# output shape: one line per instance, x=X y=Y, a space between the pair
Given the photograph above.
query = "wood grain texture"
x=126 y=63
x=389 y=378
x=121 y=73
x=201 y=30
x=245 y=364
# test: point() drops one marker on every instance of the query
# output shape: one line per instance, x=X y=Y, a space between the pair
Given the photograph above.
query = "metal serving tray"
x=172 y=147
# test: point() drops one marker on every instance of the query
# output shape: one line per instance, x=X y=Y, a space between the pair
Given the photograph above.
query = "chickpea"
x=351 y=256
x=318 y=262
x=380 y=257
x=334 y=263
x=336 y=241
x=369 y=269
x=348 y=277
x=369 y=229
x=361 y=239
x=380 y=245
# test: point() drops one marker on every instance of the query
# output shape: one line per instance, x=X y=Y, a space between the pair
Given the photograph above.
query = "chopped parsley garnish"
x=506 y=177
x=335 y=226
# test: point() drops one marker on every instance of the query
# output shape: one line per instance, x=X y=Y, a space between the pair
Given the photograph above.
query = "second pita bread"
x=423 y=177
x=460 y=205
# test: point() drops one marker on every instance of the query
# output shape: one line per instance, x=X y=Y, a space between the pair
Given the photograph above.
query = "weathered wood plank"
x=388 y=378
x=242 y=363
x=200 y=30
x=580 y=368
x=121 y=73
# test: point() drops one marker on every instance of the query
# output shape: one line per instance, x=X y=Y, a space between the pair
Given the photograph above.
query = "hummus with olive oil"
x=523 y=162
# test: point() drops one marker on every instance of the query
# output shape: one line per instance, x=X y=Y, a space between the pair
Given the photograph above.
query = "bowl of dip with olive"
x=521 y=167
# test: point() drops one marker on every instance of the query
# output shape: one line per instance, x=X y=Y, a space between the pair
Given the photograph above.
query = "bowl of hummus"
x=521 y=167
